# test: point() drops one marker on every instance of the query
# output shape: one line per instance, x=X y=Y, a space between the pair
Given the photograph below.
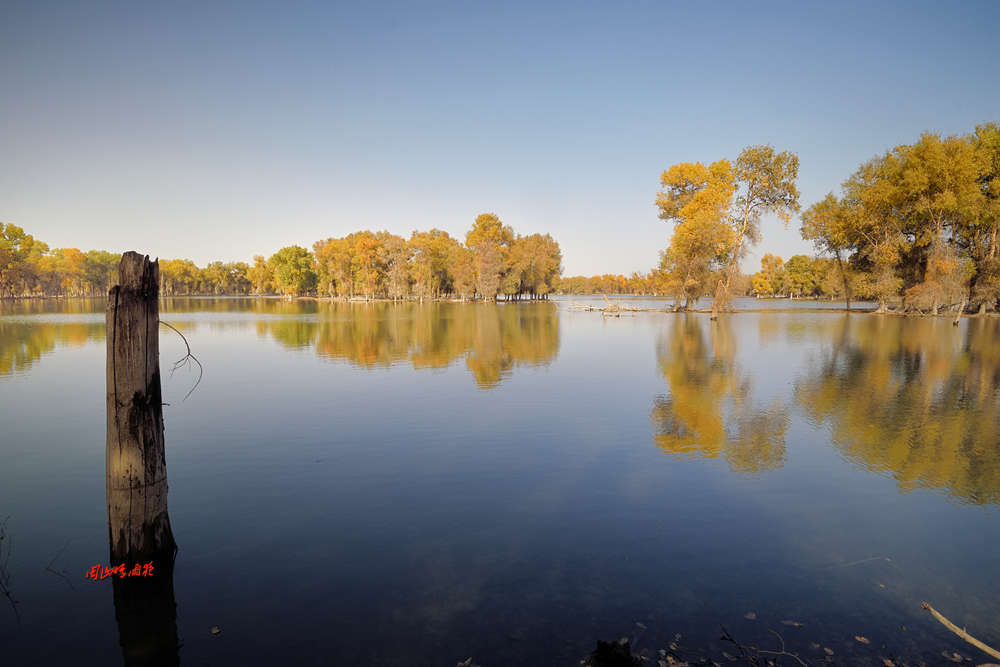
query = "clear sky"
x=220 y=130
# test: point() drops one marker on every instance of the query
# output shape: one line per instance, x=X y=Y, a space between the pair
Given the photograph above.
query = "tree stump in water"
x=138 y=525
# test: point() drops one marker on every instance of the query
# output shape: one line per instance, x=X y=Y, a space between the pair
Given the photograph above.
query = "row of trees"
x=609 y=283
x=654 y=283
x=801 y=276
x=28 y=267
x=182 y=277
x=492 y=261
x=918 y=225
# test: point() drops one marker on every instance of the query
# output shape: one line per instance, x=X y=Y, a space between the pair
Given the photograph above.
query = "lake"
x=417 y=484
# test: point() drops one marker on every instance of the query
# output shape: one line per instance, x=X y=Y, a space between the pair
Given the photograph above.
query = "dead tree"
x=138 y=525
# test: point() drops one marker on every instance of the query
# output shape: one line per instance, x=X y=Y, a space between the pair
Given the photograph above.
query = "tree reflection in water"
x=146 y=614
x=915 y=399
x=22 y=344
x=709 y=410
x=493 y=339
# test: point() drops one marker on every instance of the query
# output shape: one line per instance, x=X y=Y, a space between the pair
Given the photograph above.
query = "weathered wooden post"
x=138 y=525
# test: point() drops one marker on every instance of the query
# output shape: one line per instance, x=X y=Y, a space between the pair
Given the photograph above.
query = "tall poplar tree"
x=825 y=223
x=766 y=183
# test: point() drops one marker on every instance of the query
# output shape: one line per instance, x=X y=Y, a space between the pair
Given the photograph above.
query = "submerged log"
x=961 y=632
x=136 y=465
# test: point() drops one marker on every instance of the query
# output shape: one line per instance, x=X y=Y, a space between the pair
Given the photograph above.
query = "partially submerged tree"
x=876 y=225
x=825 y=223
x=978 y=235
x=490 y=241
x=696 y=199
x=394 y=255
x=713 y=230
x=766 y=183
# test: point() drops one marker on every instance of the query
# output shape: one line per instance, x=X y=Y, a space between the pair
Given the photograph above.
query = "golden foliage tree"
x=766 y=182
x=696 y=199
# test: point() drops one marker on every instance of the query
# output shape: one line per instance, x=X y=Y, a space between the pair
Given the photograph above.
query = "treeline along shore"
x=492 y=261
x=915 y=229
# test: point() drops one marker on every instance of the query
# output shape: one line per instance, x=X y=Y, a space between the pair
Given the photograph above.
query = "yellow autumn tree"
x=696 y=199
x=766 y=181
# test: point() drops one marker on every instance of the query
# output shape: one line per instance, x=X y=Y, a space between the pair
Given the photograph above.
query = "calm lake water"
x=407 y=484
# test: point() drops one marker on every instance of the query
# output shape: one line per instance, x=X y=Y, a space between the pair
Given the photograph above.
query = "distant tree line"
x=492 y=261
x=801 y=276
x=637 y=283
x=29 y=268
x=654 y=283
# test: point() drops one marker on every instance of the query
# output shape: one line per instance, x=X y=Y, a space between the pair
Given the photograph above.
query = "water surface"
x=415 y=484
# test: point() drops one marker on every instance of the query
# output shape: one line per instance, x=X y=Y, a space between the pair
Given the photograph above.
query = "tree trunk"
x=720 y=292
x=843 y=276
x=136 y=465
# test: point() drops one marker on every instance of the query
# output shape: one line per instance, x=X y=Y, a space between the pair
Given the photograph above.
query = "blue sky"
x=221 y=130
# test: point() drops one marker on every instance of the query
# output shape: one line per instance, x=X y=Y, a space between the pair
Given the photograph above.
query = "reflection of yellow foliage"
x=914 y=399
x=759 y=443
x=492 y=339
x=22 y=343
x=708 y=412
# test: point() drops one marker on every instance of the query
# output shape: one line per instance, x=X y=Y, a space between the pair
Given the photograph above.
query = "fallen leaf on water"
x=751 y=615
x=887 y=662
x=814 y=645
x=726 y=655
x=216 y=631
x=795 y=623
x=882 y=585
x=662 y=653
x=641 y=626
x=828 y=651
x=862 y=640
